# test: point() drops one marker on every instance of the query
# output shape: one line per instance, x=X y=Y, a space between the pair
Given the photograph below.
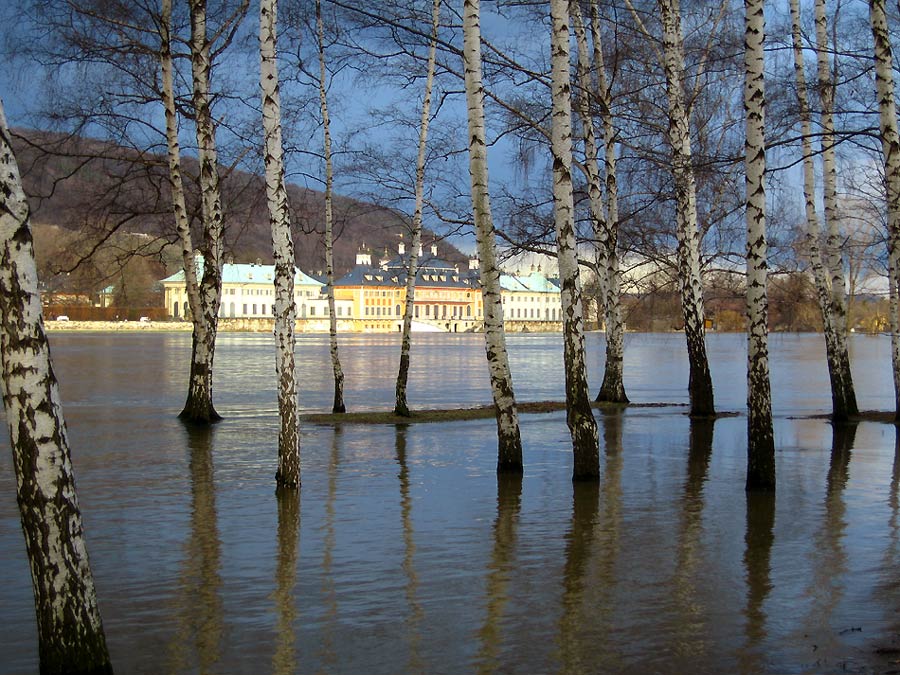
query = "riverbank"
x=113 y=326
x=534 y=407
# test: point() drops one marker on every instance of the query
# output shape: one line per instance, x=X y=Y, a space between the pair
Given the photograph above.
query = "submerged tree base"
x=199 y=417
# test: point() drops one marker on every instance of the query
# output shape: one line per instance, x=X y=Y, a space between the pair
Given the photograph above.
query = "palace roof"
x=241 y=273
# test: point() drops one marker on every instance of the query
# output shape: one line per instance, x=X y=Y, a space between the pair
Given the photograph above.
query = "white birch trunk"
x=338 y=403
x=288 y=473
x=401 y=406
x=890 y=145
x=842 y=395
x=176 y=183
x=760 y=436
x=199 y=407
x=612 y=390
x=579 y=415
x=509 y=450
x=846 y=395
x=70 y=632
x=691 y=284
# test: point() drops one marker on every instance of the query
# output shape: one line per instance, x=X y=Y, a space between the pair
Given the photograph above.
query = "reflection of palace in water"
x=372 y=297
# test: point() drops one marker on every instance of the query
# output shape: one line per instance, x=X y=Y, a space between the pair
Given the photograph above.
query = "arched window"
x=397 y=308
x=186 y=306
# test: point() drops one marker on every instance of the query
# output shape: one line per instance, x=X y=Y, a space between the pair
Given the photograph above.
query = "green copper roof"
x=249 y=274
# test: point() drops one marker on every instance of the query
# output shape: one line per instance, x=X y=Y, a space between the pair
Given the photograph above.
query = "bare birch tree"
x=199 y=405
x=691 y=285
x=70 y=632
x=842 y=394
x=176 y=182
x=890 y=146
x=760 y=435
x=288 y=473
x=604 y=215
x=338 y=403
x=401 y=406
x=612 y=389
x=579 y=415
x=509 y=450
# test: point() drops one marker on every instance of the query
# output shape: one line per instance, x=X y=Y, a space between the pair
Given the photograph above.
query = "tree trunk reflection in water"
x=889 y=585
x=607 y=539
x=757 y=568
x=327 y=652
x=894 y=502
x=416 y=617
x=829 y=559
x=509 y=502
x=284 y=661
x=576 y=652
x=691 y=626
x=200 y=610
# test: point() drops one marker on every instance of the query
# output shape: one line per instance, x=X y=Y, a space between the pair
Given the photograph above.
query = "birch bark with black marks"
x=690 y=281
x=760 y=435
x=199 y=408
x=890 y=145
x=509 y=442
x=612 y=390
x=70 y=632
x=338 y=403
x=842 y=396
x=176 y=183
x=288 y=472
x=843 y=392
x=401 y=406
x=604 y=216
x=579 y=415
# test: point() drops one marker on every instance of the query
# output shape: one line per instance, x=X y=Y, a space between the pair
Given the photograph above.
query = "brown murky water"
x=403 y=552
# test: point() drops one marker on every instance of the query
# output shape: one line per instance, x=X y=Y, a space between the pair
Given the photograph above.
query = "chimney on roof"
x=434 y=250
x=401 y=248
x=364 y=258
x=473 y=263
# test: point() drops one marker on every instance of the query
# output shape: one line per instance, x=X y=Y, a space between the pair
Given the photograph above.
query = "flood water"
x=403 y=552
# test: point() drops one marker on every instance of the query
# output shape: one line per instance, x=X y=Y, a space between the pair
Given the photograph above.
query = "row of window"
x=229 y=310
x=268 y=292
x=531 y=298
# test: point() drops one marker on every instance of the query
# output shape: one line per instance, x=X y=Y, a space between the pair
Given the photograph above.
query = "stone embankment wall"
x=265 y=325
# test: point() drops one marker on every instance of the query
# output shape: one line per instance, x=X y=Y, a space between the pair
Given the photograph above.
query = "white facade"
x=248 y=292
x=530 y=298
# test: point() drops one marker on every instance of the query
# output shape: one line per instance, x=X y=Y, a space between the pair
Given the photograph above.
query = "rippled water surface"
x=403 y=552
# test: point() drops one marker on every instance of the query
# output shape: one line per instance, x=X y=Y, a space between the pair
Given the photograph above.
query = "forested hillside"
x=105 y=203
